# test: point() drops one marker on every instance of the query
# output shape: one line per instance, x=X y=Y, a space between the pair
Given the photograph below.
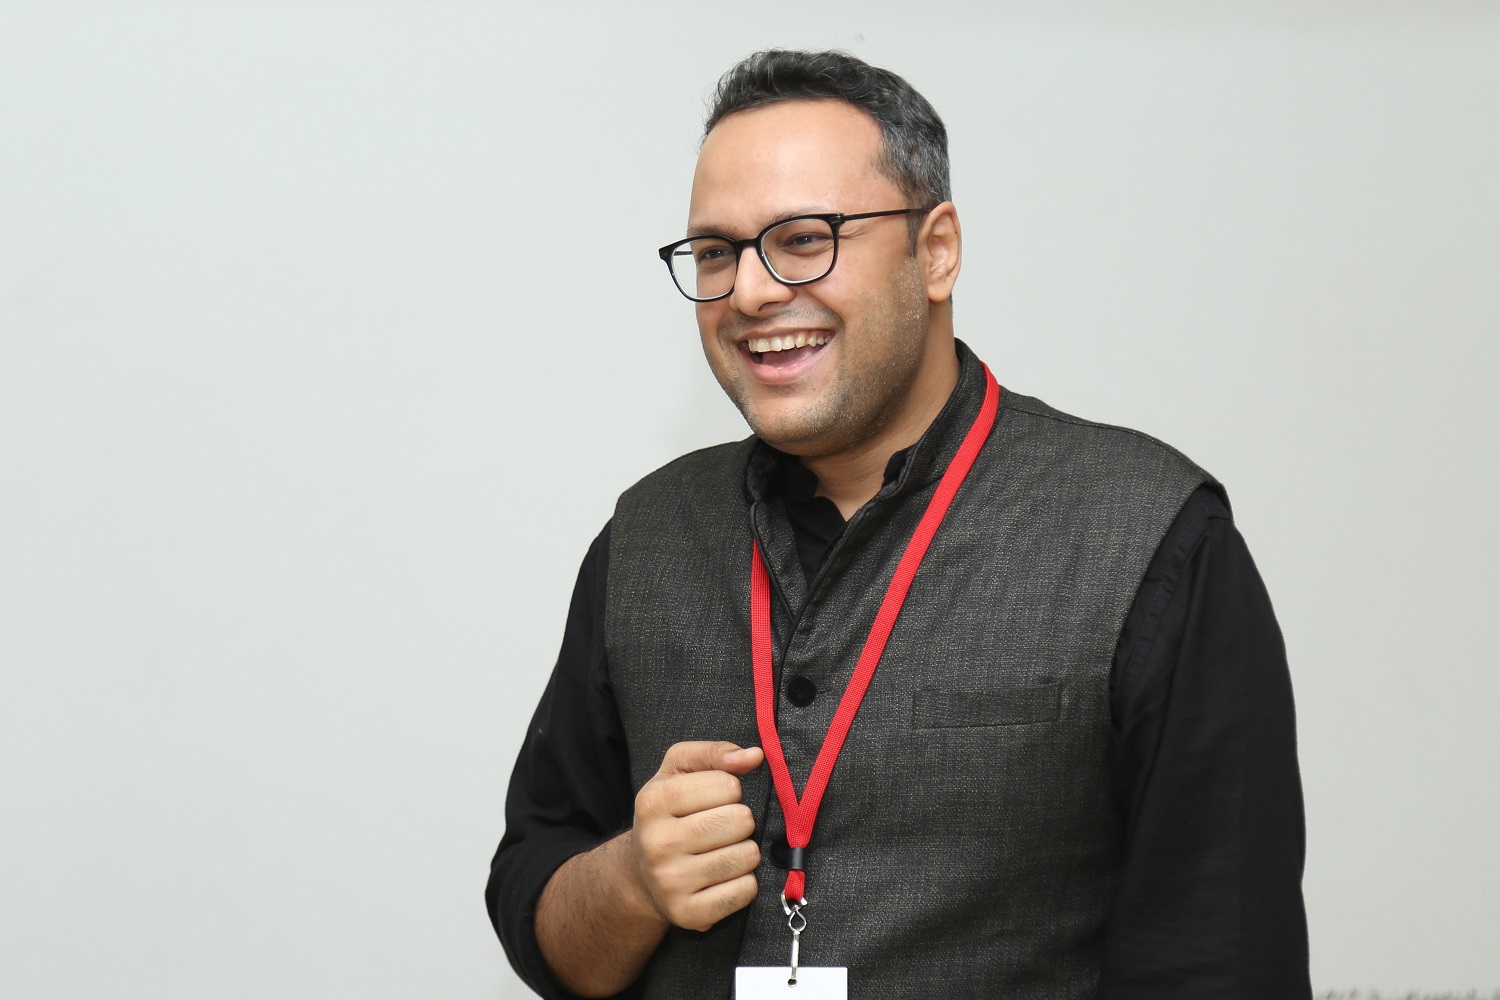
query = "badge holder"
x=794 y=983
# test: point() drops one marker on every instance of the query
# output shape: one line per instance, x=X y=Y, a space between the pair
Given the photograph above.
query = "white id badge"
x=813 y=983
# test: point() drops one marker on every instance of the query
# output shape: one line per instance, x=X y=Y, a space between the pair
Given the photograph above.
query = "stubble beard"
x=857 y=405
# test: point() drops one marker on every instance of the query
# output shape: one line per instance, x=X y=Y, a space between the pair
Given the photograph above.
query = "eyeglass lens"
x=797 y=250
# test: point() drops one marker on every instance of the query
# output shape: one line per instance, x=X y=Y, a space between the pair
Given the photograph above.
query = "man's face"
x=864 y=325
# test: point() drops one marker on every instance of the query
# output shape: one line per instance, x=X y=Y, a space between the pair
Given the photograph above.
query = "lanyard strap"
x=802 y=813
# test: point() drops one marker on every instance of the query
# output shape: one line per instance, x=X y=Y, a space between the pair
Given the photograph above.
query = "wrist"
x=634 y=900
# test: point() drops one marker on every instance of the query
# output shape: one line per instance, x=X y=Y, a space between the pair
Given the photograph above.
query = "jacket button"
x=800 y=691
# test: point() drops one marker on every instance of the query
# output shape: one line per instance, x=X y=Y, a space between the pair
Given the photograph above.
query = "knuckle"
x=673 y=759
x=655 y=841
x=685 y=750
x=649 y=800
x=663 y=795
x=727 y=786
x=743 y=818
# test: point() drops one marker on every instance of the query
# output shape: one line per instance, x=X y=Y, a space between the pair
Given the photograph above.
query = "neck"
x=852 y=477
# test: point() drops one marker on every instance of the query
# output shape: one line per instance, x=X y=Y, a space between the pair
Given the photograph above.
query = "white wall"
x=309 y=407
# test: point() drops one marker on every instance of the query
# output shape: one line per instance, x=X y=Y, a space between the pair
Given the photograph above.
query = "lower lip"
x=780 y=374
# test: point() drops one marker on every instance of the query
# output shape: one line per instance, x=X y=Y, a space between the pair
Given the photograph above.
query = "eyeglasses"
x=795 y=251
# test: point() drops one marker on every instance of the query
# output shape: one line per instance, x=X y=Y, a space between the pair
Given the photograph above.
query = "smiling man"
x=924 y=688
x=846 y=366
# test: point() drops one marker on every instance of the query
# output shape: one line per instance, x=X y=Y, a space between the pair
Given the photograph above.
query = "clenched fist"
x=692 y=838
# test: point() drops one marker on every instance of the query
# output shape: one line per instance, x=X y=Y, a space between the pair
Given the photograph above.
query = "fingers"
x=709 y=906
x=697 y=891
x=709 y=755
x=697 y=833
x=697 y=776
x=681 y=872
x=685 y=794
x=726 y=864
x=743 y=761
x=692 y=837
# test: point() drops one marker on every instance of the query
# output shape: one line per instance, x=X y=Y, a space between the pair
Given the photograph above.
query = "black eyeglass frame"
x=834 y=219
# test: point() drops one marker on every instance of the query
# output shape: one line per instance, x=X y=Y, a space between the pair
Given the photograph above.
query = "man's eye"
x=805 y=242
x=712 y=256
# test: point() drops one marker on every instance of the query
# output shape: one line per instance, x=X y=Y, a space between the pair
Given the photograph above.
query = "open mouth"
x=784 y=352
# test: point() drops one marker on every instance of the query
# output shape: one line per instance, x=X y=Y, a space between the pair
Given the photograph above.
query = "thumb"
x=710 y=755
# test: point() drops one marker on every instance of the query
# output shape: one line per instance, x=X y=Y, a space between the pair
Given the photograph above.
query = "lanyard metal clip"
x=796 y=922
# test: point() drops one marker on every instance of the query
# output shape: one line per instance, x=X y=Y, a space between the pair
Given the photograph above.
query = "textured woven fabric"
x=968 y=845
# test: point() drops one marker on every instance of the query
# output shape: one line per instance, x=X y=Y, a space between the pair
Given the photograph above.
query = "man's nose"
x=755 y=287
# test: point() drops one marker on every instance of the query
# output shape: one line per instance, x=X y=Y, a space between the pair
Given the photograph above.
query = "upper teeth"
x=803 y=339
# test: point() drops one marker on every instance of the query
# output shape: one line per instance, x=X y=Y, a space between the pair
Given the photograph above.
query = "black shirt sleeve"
x=570 y=790
x=1210 y=897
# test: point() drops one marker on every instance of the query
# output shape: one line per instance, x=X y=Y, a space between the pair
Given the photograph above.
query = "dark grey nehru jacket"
x=968 y=845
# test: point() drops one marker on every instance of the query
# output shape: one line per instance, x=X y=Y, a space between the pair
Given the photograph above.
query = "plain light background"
x=330 y=331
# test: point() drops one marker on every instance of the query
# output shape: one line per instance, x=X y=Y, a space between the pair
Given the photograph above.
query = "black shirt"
x=1204 y=769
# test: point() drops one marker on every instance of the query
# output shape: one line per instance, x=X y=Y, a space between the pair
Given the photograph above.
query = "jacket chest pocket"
x=943 y=708
x=1010 y=765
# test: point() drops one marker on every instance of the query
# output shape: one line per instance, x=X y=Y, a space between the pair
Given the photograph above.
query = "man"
x=1067 y=763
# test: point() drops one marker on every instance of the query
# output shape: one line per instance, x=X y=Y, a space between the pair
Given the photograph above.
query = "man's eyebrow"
x=694 y=232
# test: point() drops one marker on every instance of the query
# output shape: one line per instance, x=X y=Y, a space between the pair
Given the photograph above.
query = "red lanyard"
x=802 y=813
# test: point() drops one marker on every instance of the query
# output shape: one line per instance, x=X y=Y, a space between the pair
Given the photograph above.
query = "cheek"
x=709 y=316
x=857 y=288
x=893 y=298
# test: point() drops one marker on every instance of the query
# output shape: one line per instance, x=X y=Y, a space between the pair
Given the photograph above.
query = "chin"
x=804 y=438
x=778 y=435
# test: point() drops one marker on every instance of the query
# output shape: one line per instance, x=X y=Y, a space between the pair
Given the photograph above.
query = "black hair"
x=914 y=141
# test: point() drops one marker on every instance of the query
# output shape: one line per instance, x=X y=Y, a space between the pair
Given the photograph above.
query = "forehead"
x=789 y=157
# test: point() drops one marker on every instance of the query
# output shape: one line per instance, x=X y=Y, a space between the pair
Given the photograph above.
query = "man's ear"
x=940 y=251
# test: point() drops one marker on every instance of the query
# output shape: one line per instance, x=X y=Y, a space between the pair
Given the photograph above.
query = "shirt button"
x=800 y=691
